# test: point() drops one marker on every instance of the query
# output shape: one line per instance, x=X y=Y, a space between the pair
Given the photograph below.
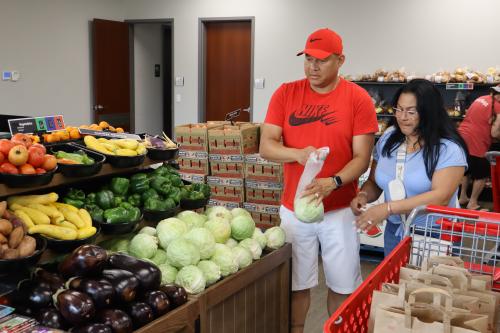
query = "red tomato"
x=6 y=167
x=35 y=156
x=5 y=146
x=49 y=162
x=27 y=169
x=40 y=170
x=18 y=155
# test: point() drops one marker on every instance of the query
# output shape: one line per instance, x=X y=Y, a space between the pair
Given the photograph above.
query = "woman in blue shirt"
x=429 y=153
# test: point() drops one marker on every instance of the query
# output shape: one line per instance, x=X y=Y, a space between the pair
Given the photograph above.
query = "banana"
x=126 y=152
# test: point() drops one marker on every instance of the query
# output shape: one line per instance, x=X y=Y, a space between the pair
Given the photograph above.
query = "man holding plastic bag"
x=326 y=124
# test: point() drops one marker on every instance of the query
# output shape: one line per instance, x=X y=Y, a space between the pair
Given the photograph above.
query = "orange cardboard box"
x=259 y=169
x=226 y=189
x=195 y=136
x=238 y=139
x=230 y=166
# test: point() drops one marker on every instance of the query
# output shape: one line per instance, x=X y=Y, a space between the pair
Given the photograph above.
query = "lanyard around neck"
x=400 y=161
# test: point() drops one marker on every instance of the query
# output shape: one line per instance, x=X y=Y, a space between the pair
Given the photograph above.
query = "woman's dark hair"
x=434 y=125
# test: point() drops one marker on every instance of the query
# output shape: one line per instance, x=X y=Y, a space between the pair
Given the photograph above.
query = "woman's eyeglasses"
x=411 y=112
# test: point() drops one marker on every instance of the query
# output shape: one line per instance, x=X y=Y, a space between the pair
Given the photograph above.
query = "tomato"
x=5 y=146
x=49 y=162
x=27 y=169
x=35 y=156
x=21 y=139
x=42 y=147
x=18 y=155
x=6 y=167
x=2 y=157
x=40 y=170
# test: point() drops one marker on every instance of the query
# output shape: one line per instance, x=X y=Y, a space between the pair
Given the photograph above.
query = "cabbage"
x=258 y=235
x=143 y=246
x=192 y=279
x=275 y=237
x=204 y=240
x=308 y=212
x=240 y=212
x=220 y=228
x=210 y=270
x=253 y=246
x=231 y=243
x=160 y=257
x=168 y=273
x=148 y=231
x=224 y=257
x=192 y=219
x=219 y=211
x=181 y=252
x=242 y=227
x=243 y=256
x=170 y=229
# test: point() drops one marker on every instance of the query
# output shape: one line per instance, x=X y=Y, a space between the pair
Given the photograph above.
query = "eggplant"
x=86 y=260
x=50 y=317
x=148 y=274
x=101 y=292
x=93 y=328
x=33 y=295
x=76 y=307
x=48 y=279
x=158 y=301
x=124 y=282
x=175 y=293
x=140 y=313
x=118 y=320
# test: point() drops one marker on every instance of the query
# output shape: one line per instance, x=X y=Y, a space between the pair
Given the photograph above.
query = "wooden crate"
x=181 y=320
x=256 y=299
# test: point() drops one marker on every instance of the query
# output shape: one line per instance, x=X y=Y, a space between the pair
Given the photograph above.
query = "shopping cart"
x=474 y=236
x=494 y=158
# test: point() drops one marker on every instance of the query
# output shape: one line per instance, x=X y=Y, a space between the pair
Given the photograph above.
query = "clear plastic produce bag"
x=305 y=210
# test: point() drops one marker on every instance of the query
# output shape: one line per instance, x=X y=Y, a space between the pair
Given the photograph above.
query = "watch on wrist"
x=337 y=181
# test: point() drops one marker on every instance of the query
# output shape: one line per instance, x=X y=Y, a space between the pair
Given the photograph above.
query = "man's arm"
x=362 y=146
x=272 y=149
x=495 y=128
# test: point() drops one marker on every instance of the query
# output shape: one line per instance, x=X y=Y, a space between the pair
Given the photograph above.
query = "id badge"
x=397 y=190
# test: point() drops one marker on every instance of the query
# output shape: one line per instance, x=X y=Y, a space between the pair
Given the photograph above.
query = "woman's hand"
x=372 y=216
x=358 y=203
x=320 y=188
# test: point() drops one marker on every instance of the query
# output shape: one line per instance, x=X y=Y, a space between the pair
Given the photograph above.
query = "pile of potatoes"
x=14 y=242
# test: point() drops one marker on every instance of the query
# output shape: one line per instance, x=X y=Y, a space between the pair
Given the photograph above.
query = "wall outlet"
x=259 y=83
x=15 y=76
x=179 y=81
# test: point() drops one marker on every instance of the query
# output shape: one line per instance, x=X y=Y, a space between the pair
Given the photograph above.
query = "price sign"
x=37 y=124
x=460 y=86
x=41 y=125
x=235 y=114
x=110 y=135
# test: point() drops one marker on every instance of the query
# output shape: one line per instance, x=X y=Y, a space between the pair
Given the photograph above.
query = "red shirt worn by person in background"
x=475 y=129
x=319 y=120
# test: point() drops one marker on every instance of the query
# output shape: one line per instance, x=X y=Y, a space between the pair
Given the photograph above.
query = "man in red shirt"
x=322 y=110
x=481 y=123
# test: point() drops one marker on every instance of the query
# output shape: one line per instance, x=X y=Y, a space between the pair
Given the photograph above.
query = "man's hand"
x=303 y=154
x=320 y=188
x=358 y=203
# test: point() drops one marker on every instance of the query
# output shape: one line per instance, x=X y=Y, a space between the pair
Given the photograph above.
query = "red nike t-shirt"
x=309 y=118
x=475 y=129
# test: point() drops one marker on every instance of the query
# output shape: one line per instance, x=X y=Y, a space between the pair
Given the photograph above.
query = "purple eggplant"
x=148 y=274
x=158 y=301
x=50 y=317
x=86 y=260
x=76 y=307
x=93 y=328
x=140 y=313
x=176 y=294
x=124 y=282
x=48 y=279
x=101 y=292
x=118 y=320
x=33 y=295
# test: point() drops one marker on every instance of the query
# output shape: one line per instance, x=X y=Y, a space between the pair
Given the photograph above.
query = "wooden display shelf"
x=181 y=320
x=59 y=179
x=255 y=299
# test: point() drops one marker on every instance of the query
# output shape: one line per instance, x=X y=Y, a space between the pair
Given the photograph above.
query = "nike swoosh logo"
x=297 y=121
x=313 y=40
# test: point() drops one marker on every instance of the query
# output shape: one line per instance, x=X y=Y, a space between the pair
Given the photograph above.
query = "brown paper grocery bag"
x=475 y=281
x=447 y=260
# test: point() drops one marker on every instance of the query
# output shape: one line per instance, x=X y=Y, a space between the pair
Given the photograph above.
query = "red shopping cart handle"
x=459 y=212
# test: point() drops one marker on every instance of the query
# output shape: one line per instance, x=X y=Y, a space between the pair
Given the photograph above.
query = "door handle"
x=98 y=107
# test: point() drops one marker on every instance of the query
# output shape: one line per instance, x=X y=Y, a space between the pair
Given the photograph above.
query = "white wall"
x=148 y=88
x=47 y=41
x=422 y=35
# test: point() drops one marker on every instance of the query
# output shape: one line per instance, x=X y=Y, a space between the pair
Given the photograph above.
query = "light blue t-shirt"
x=415 y=178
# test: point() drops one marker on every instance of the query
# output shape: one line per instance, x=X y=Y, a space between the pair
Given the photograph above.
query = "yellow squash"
x=54 y=231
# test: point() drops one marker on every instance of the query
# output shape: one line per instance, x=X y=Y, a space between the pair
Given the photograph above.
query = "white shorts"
x=339 y=250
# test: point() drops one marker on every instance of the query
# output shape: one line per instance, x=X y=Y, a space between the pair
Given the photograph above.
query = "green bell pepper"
x=139 y=183
x=157 y=204
x=75 y=194
x=161 y=171
x=135 y=214
x=135 y=200
x=119 y=185
x=149 y=194
x=196 y=195
x=170 y=203
x=175 y=194
x=118 y=215
x=104 y=199
x=161 y=185
x=73 y=202
x=176 y=180
x=91 y=198
x=95 y=212
x=184 y=193
x=117 y=200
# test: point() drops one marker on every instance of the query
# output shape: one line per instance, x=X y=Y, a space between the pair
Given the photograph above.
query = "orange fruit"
x=74 y=134
x=52 y=138
x=103 y=124
x=119 y=130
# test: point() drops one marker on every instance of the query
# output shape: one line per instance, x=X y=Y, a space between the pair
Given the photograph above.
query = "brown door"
x=227 y=68
x=111 y=73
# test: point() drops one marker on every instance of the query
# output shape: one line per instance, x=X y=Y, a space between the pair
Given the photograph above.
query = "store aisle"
x=317 y=313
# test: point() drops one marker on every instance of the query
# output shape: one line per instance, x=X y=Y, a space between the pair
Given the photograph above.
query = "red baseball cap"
x=322 y=43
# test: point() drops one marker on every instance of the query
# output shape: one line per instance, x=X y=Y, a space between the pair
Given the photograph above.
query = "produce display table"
x=255 y=299
x=180 y=320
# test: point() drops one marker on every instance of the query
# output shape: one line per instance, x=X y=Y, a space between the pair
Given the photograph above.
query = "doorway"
x=225 y=68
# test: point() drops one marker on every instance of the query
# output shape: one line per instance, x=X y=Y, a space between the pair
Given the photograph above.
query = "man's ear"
x=341 y=59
